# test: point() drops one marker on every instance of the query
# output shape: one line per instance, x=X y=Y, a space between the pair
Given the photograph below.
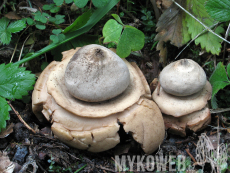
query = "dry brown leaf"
x=12 y=15
x=170 y=27
x=163 y=4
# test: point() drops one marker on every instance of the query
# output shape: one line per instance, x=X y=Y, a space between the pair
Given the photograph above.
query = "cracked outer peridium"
x=94 y=126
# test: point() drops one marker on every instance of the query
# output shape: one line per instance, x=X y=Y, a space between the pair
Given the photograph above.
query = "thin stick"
x=17 y=44
x=194 y=39
x=156 y=10
x=3 y=4
x=23 y=46
x=200 y=22
x=20 y=118
x=193 y=159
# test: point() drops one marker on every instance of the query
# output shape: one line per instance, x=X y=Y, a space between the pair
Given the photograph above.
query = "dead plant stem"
x=20 y=118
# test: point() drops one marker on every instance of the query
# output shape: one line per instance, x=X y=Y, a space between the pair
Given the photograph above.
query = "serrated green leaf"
x=117 y=18
x=131 y=39
x=30 y=21
x=112 y=31
x=16 y=26
x=4 y=113
x=55 y=9
x=80 y=3
x=210 y=42
x=79 y=22
x=56 y=31
x=196 y=7
x=4 y=23
x=228 y=70
x=5 y=37
x=99 y=3
x=58 y=2
x=15 y=81
x=40 y=26
x=218 y=9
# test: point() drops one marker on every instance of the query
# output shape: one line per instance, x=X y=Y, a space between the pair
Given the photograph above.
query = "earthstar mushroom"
x=183 y=95
x=90 y=120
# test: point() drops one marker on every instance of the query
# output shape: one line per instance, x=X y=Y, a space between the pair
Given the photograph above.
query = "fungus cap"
x=95 y=73
x=179 y=106
x=56 y=87
x=182 y=78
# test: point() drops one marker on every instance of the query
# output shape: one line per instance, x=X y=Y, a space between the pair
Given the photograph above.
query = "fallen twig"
x=193 y=159
x=20 y=118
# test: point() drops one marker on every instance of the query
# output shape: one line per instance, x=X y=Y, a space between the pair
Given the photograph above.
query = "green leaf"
x=55 y=9
x=58 y=2
x=214 y=102
x=40 y=26
x=45 y=14
x=95 y=17
x=207 y=41
x=112 y=31
x=79 y=22
x=5 y=37
x=30 y=21
x=80 y=3
x=56 y=31
x=39 y=17
x=58 y=19
x=117 y=18
x=54 y=38
x=44 y=65
x=218 y=85
x=5 y=32
x=218 y=9
x=4 y=23
x=68 y=1
x=99 y=3
x=15 y=81
x=210 y=42
x=219 y=74
x=48 y=6
x=219 y=78
x=131 y=39
x=228 y=70
x=61 y=37
x=16 y=26
x=4 y=113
